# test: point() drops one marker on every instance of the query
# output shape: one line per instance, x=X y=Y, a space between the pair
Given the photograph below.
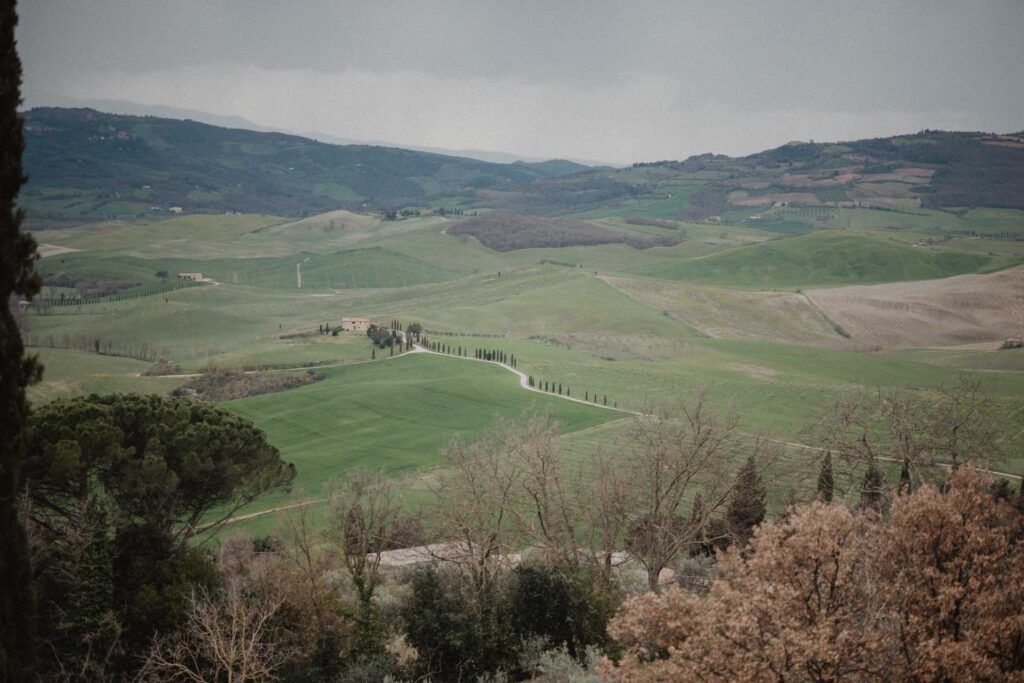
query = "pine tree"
x=17 y=276
x=747 y=506
x=826 y=480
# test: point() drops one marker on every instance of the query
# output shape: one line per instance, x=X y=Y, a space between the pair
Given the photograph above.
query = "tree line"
x=41 y=306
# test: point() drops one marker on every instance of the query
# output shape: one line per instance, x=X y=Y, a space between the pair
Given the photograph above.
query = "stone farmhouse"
x=355 y=324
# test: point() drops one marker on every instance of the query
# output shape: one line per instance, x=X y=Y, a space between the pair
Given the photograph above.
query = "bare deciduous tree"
x=227 y=638
x=675 y=453
x=476 y=494
x=924 y=433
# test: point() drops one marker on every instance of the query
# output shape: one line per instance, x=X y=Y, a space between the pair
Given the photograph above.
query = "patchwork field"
x=775 y=329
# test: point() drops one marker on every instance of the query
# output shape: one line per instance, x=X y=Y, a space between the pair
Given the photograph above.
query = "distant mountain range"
x=84 y=164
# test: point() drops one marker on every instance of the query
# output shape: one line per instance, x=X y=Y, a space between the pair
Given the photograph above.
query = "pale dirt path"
x=524 y=380
x=53 y=250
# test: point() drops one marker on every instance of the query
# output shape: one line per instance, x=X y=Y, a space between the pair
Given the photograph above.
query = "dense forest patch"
x=508 y=232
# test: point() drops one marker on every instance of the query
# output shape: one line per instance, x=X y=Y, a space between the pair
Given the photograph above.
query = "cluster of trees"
x=217 y=383
x=86 y=288
x=383 y=337
x=449 y=333
x=454 y=211
x=508 y=232
x=495 y=355
x=113 y=491
x=653 y=222
x=933 y=590
x=106 y=347
x=107 y=291
x=564 y=264
x=534 y=552
x=451 y=349
x=556 y=388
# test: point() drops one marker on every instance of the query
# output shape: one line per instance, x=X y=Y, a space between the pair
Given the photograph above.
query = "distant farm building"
x=175 y=209
x=196 y=277
x=355 y=324
x=1013 y=344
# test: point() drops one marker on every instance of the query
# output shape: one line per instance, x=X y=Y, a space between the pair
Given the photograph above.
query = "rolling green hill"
x=87 y=164
x=818 y=259
x=394 y=415
x=352 y=269
x=84 y=163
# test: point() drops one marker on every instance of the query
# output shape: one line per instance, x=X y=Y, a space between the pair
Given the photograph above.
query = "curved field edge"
x=394 y=417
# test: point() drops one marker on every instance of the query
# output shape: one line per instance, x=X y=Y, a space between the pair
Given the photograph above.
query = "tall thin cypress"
x=747 y=507
x=17 y=277
x=871 y=492
x=826 y=480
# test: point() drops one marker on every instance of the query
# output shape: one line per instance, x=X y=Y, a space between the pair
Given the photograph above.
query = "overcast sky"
x=609 y=81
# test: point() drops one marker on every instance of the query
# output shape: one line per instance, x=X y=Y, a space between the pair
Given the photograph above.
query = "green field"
x=558 y=310
x=821 y=259
x=394 y=415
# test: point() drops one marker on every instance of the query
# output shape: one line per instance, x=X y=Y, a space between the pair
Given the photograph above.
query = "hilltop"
x=86 y=164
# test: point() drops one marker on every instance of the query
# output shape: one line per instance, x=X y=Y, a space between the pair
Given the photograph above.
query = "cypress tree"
x=826 y=481
x=747 y=507
x=871 y=492
x=905 y=483
x=586 y=395
x=17 y=276
x=373 y=353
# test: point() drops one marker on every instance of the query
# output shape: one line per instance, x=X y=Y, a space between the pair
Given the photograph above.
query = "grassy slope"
x=563 y=324
x=818 y=259
x=69 y=373
x=393 y=415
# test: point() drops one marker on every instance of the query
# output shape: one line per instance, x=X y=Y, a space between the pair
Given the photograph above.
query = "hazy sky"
x=611 y=81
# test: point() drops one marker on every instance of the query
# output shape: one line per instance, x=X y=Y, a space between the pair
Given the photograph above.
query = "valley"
x=635 y=310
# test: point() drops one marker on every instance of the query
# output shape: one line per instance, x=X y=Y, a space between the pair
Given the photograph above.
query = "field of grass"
x=68 y=373
x=820 y=259
x=393 y=415
x=645 y=340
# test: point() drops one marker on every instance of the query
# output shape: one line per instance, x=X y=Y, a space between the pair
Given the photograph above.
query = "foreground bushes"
x=934 y=592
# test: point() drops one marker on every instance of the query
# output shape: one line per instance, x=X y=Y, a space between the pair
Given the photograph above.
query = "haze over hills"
x=87 y=164
x=45 y=99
